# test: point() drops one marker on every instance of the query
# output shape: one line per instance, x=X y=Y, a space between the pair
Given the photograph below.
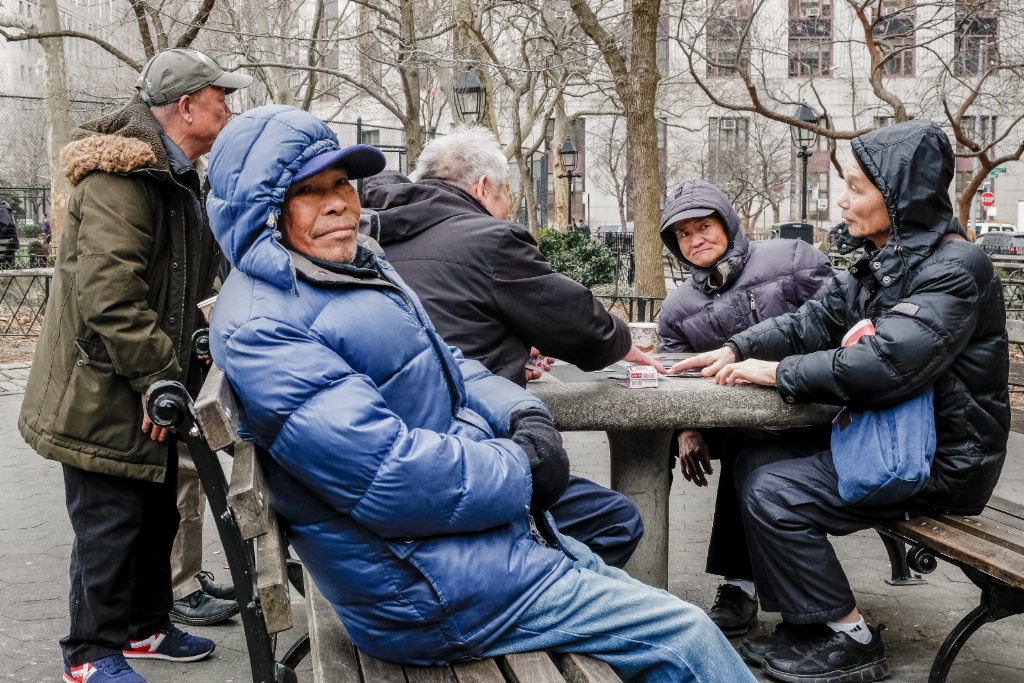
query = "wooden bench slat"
x=1006 y=506
x=378 y=671
x=484 y=671
x=583 y=669
x=1016 y=373
x=428 y=674
x=531 y=667
x=248 y=497
x=988 y=530
x=1011 y=522
x=272 y=578
x=333 y=655
x=992 y=559
x=217 y=410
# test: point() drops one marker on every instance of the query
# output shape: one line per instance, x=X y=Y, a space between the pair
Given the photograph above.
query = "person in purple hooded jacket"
x=734 y=285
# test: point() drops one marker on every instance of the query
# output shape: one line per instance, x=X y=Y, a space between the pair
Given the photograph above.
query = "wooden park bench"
x=989 y=548
x=256 y=550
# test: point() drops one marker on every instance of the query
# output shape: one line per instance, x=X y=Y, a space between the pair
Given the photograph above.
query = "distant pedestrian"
x=46 y=228
x=584 y=229
x=138 y=257
x=8 y=236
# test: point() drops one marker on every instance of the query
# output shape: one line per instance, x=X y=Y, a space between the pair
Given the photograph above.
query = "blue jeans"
x=643 y=633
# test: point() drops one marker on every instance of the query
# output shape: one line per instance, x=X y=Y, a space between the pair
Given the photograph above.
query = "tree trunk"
x=636 y=84
x=467 y=24
x=274 y=77
x=409 y=70
x=58 y=109
x=561 y=185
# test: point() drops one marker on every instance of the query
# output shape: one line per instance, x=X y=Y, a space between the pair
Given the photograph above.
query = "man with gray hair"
x=490 y=292
x=136 y=257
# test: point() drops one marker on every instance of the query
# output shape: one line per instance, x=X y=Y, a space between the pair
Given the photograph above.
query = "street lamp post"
x=469 y=95
x=569 y=159
x=803 y=140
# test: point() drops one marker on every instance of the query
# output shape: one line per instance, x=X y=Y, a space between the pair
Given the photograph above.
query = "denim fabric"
x=644 y=633
x=605 y=521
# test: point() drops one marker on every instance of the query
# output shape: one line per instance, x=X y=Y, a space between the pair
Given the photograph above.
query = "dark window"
x=810 y=44
x=894 y=31
x=728 y=48
x=976 y=47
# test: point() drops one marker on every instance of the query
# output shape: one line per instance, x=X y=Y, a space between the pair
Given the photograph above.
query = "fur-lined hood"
x=126 y=140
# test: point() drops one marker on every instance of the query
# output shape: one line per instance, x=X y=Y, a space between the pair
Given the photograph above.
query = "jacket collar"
x=365 y=269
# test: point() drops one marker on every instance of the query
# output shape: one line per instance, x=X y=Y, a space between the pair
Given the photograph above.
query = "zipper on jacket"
x=753 y=303
x=535 y=532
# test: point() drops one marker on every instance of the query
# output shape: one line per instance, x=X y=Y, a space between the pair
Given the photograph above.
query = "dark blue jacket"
x=760 y=280
x=387 y=458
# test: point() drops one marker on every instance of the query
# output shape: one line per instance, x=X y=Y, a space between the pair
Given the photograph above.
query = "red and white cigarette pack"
x=642 y=377
x=863 y=328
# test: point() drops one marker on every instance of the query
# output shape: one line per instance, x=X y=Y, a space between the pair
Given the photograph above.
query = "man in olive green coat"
x=136 y=256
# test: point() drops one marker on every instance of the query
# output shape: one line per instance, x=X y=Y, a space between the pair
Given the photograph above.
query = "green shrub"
x=578 y=257
x=31 y=230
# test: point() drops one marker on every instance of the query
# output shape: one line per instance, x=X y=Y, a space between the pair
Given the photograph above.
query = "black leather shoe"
x=201 y=609
x=224 y=591
x=785 y=635
x=734 y=612
x=829 y=658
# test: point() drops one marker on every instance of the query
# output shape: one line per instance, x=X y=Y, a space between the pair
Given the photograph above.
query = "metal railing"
x=635 y=309
x=23 y=297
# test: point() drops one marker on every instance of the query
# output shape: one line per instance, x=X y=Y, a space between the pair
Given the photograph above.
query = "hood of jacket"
x=251 y=166
x=408 y=208
x=698 y=194
x=912 y=165
x=121 y=142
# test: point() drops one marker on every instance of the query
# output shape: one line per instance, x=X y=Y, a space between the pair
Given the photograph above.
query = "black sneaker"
x=734 y=612
x=785 y=634
x=224 y=591
x=201 y=609
x=829 y=658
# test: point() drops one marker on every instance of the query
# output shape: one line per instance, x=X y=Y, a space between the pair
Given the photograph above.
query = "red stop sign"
x=988 y=199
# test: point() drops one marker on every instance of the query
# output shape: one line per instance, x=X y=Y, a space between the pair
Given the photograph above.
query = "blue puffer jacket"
x=382 y=448
x=759 y=280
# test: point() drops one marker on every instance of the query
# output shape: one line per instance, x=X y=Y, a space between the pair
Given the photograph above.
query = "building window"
x=894 y=30
x=728 y=48
x=727 y=150
x=370 y=137
x=810 y=38
x=818 y=204
x=976 y=47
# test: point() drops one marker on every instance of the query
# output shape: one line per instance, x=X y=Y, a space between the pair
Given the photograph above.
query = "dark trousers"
x=605 y=521
x=790 y=503
x=120 y=560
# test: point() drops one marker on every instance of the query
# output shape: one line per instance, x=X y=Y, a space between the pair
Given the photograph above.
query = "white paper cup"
x=644 y=336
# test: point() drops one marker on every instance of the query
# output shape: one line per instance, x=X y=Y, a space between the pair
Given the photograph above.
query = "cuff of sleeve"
x=735 y=350
x=783 y=376
x=169 y=371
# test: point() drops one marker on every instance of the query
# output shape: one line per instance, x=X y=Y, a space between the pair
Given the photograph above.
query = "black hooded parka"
x=939 y=318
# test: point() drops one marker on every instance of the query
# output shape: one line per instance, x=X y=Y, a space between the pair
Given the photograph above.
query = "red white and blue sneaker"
x=112 y=669
x=171 y=644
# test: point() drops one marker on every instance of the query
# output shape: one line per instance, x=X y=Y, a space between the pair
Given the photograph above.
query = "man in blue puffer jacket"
x=406 y=474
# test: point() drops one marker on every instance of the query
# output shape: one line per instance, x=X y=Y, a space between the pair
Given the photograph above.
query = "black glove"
x=535 y=433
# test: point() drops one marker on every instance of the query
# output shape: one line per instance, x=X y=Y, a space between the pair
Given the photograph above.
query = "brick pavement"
x=35 y=546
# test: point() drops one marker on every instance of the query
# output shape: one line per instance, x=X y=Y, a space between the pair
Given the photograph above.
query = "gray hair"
x=162 y=112
x=462 y=156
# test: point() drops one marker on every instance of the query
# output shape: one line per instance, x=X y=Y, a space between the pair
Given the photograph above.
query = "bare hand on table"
x=710 y=361
x=694 y=459
x=638 y=357
x=750 y=371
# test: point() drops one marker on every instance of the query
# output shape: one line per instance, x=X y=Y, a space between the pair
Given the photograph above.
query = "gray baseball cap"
x=177 y=72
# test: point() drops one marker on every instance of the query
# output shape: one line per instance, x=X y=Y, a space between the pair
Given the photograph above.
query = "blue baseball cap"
x=359 y=161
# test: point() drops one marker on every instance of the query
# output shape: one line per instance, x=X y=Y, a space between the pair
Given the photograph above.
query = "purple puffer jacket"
x=760 y=280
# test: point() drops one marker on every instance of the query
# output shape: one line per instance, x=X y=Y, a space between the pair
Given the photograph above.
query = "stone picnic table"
x=640 y=423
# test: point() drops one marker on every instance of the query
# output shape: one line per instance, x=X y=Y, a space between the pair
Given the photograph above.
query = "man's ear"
x=185 y=108
x=479 y=189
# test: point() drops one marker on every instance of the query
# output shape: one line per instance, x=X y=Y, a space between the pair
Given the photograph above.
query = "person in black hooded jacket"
x=937 y=307
x=735 y=284
x=489 y=291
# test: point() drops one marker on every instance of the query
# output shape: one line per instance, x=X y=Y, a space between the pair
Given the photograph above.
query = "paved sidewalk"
x=35 y=540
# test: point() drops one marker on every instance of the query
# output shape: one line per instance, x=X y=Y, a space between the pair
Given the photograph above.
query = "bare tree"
x=892 y=61
x=155 y=33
